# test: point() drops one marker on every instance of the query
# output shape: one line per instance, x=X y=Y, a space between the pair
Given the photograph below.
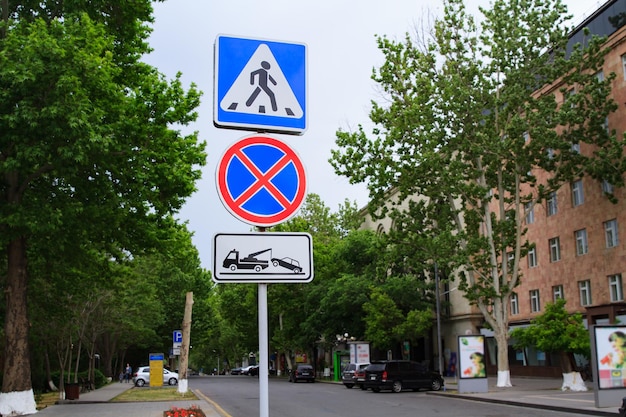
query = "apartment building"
x=579 y=237
x=579 y=234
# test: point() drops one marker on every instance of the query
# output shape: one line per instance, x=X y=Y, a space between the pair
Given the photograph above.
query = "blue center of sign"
x=240 y=179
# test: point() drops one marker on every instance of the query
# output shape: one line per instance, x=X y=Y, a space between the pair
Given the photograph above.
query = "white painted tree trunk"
x=573 y=382
x=183 y=386
x=504 y=379
x=17 y=403
x=504 y=372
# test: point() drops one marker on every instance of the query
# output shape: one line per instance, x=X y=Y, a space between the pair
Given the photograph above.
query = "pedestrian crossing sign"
x=260 y=85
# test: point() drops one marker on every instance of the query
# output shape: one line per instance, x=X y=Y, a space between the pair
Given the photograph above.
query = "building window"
x=557 y=292
x=551 y=204
x=526 y=136
x=530 y=213
x=577 y=193
x=600 y=75
x=610 y=233
x=581 y=241
x=584 y=288
x=514 y=304
x=555 y=249
x=510 y=257
x=624 y=65
x=535 y=305
x=532 y=257
x=576 y=147
x=615 y=287
x=607 y=187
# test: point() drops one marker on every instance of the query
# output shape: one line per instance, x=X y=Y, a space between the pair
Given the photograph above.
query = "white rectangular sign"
x=263 y=257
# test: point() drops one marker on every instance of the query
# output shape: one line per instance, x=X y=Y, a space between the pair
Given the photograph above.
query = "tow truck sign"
x=263 y=257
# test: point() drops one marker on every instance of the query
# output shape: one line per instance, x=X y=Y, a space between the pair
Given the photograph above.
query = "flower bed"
x=193 y=411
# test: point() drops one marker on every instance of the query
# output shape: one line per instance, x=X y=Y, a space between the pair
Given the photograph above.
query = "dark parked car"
x=302 y=373
x=397 y=375
x=349 y=375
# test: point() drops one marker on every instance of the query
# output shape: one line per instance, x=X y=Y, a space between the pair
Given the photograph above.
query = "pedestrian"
x=122 y=376
x=128 y=372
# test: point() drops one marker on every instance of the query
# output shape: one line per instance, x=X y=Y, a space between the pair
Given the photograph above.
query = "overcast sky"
x=341 y=48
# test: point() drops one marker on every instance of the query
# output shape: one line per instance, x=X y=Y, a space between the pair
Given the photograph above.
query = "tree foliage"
x=555 y=331
x=479 y=124
x=90 y=159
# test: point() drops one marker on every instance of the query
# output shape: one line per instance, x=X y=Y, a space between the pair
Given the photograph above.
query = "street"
x=239 y=397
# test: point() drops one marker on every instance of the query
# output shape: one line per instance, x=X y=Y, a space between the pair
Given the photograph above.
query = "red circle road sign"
x=261 y=180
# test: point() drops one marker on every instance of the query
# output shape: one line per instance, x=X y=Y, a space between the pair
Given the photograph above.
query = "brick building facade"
x=579 y=236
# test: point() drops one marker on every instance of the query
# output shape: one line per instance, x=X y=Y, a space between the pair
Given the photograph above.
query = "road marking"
x=213 y=403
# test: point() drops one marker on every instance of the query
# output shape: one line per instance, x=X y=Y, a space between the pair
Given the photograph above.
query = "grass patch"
x=154 y=394
x=46 y=399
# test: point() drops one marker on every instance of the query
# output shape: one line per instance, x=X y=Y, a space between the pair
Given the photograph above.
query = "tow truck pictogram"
x=233 y=262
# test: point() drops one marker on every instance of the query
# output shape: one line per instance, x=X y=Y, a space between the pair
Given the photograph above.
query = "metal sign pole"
x=264 y=406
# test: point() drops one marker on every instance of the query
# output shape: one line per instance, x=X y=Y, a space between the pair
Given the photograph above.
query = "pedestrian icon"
x=262 y=89
x=263 y=77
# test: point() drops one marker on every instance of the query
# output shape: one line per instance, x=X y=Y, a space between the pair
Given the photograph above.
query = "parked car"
x=235 y=371
x=348 y=375
x=141 y=377
x=253 y=370
x=359 y=377
x=246 y=369
x=396 y=375
x=302 y=373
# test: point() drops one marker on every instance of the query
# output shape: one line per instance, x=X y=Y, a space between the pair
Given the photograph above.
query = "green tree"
x=88 y=152
x=383 y=318
x=555 y=331
x=471 y=115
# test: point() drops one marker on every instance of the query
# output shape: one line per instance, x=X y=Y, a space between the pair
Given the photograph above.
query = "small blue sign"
x=177 y=336
x=260 y=85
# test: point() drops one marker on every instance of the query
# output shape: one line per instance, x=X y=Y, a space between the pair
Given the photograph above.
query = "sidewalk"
x=97 y=403
x=541 y=393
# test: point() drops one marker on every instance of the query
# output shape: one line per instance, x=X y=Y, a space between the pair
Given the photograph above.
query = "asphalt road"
x=238 y=396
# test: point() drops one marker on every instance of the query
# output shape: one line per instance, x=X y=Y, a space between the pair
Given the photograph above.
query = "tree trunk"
x=184 y=348
x=504 y=373
x=17 y=394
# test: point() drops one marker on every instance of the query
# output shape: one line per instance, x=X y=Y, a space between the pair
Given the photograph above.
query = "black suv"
x=302 y=373
x=397 y=375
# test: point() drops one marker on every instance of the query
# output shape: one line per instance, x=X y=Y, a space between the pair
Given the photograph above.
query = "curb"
x=523 y=404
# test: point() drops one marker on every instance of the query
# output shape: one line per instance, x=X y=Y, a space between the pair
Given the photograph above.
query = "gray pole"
x=438 y=304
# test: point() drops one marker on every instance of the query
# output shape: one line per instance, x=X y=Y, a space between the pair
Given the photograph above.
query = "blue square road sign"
x=260 y=85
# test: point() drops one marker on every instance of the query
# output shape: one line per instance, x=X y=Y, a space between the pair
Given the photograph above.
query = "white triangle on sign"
x=261 y=88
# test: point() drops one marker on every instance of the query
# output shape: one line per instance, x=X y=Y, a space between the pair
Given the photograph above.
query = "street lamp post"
x=438 y=307
x=218 y=361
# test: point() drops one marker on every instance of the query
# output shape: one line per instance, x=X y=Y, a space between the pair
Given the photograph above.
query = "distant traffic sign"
x=260 y=85
x=263 y=257
x=261 y=181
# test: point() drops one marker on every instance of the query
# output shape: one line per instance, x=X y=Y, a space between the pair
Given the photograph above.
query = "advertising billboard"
x=611 y=356
x=472 y=356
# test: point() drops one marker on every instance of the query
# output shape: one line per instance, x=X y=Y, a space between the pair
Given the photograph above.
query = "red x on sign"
x=261 y=181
